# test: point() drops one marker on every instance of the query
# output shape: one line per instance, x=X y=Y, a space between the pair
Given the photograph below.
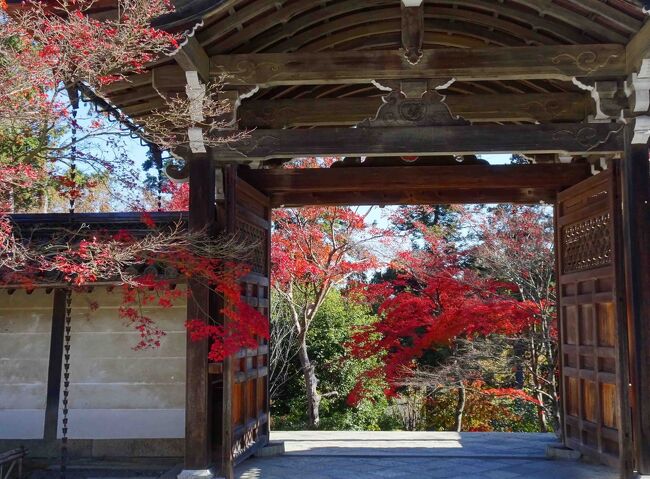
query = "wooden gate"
x=593 y=331
x=246 y=375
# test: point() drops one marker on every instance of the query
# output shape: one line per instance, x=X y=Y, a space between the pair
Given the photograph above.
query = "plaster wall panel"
x=25 y=327
x=117 y=391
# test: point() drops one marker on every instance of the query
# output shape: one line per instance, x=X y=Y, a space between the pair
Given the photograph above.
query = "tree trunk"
x=460 y=407
x=535 y=371
x=311 y=383
x=541 y=414
x=518 y=351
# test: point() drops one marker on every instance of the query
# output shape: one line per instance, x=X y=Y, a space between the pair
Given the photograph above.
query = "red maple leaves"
x=433 y=300
x=318 y=245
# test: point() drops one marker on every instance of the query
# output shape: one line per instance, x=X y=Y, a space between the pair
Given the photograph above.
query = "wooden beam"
x=168 y=79
x=567 y=138
x=414 y=197
x=562 y=62
x=399 y=180
x=536 y=107
x=192 y=57
x=638 y=50
x=636 y=231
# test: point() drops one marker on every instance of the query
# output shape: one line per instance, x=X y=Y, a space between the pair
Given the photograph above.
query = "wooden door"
x=246 y=375
x=593 y=328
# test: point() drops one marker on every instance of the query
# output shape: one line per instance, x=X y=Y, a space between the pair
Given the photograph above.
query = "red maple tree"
x=314 y=250
x=516 y=245
x=434 y=300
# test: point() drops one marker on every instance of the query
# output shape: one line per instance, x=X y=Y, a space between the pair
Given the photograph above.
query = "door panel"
x=246 y=374
x=593 y=328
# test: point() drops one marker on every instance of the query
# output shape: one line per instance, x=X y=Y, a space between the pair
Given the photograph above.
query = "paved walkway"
x=419 y=455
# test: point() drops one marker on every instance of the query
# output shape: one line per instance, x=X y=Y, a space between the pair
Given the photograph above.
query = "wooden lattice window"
x=586 y=244
x=254 y=235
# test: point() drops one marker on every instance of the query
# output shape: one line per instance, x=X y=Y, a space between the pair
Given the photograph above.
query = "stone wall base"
x=100 y=448
x=560 y=451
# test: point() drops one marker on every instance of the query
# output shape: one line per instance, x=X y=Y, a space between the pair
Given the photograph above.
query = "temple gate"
x=427 y=85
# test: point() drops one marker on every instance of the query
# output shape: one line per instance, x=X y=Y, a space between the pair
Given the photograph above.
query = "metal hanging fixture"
x=66 y=383
x=156 y=156
x=73 y=93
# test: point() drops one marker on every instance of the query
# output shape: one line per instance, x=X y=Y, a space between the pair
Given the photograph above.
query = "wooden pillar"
x=636 y=217
x=560 y=318
x=202 y=216
x=229 y=224
x=54 y=365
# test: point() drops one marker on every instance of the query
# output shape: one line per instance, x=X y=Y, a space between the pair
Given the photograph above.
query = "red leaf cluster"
x=317 y=246
x=434 y=300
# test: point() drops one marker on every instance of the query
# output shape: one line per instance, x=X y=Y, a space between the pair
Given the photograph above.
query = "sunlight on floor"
x=395 y=454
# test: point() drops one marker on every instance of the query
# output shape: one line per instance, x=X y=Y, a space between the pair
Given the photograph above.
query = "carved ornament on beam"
x=412 y=30
x=414 y=103
x=234 y=98
x=609 y=100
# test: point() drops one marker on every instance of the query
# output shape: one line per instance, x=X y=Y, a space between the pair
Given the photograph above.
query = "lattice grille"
x=586 y=244
x=256 y=236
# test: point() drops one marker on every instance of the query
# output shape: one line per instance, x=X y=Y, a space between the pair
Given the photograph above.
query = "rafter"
x=515 y=63
x=580 y=21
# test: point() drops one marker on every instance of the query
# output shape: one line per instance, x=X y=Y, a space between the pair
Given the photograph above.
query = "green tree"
x=337 y=370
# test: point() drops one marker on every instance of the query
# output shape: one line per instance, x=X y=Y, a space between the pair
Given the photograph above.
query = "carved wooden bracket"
x=641 y=130
x=234 y=99
x=637 y=88
x=412 y=30
x=414 y=103
x=609 y=98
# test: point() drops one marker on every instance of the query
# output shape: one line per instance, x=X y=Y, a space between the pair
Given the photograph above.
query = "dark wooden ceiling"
x=280 y=26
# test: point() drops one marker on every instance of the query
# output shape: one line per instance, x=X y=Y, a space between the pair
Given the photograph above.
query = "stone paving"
x=397 y=455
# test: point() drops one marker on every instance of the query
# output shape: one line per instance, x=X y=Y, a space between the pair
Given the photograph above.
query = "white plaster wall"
x=25 y=327
x=117 y=392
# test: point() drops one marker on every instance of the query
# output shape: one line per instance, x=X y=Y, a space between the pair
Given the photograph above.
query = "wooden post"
x=624 y=412
x=202 y=216
x=636 y=216
x=54 y=368
x=229 y=223
x=560 y=327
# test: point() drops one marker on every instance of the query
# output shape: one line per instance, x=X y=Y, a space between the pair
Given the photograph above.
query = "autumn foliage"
x=314 y=250
x=54 y=55
x=435 y=299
